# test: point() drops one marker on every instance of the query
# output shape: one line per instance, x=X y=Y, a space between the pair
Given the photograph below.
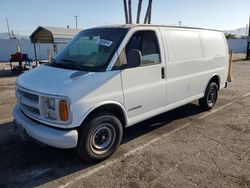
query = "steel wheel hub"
x=102 y=138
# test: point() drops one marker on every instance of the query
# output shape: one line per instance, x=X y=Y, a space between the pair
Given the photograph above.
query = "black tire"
x=99 y=137
x=210 y=98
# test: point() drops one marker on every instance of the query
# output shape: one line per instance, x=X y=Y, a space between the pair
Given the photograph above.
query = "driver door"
x=144 y=86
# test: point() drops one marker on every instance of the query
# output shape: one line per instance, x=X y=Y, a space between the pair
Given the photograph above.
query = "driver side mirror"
x=134 y=58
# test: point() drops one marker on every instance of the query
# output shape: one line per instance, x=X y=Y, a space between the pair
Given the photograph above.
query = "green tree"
x=230 y=36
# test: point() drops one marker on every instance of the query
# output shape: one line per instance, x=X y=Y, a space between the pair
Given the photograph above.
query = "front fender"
x=88 y=111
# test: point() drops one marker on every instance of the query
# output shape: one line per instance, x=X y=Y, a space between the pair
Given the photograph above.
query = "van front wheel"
x=210 y=98
x=100 y=137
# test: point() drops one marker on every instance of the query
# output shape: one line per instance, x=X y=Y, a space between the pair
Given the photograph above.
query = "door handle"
x=163 y=73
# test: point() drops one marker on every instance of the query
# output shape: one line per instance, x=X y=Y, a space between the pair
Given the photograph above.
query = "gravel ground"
x=181 y=148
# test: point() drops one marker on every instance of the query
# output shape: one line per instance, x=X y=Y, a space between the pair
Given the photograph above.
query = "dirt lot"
x=181 y=148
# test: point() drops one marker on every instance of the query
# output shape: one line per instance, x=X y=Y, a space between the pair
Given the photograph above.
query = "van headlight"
x=51 y=103
x=56 y=108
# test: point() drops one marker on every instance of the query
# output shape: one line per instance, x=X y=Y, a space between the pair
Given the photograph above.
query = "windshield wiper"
x=62 y=60
x=68 y=60
x=68 y=64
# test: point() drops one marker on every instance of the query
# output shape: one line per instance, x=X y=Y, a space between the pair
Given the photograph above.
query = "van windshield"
x=90 y=50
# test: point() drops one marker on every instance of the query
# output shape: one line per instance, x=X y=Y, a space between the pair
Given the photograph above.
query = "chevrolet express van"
x=109 y=78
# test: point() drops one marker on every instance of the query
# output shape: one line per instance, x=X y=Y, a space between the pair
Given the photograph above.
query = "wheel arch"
x=215 y=78
x=111 y=106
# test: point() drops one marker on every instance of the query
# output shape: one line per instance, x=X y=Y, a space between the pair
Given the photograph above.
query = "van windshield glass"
x=90 y=50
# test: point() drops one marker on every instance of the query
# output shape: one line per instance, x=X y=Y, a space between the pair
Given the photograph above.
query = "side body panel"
x=216 y=52
x=190 y=63
x=144 y=88
x=189 y=68
x=185 y=81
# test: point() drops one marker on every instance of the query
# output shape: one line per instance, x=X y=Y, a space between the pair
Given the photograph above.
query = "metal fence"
x=237 y=45
x=8 y=47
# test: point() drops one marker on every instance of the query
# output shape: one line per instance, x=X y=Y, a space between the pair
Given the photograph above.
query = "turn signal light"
x=63 y=109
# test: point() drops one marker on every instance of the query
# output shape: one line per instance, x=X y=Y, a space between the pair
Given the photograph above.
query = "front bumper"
x=46 y=135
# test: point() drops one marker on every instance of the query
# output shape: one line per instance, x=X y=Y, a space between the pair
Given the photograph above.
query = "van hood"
x=49 y=80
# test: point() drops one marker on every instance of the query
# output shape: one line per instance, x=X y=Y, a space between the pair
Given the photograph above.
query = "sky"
x=26 y=15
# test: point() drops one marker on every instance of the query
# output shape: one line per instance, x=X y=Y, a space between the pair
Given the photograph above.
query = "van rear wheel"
x=210 y=98
x=100 y=137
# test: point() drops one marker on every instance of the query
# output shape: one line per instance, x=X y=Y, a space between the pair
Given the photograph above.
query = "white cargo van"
x=111 y=77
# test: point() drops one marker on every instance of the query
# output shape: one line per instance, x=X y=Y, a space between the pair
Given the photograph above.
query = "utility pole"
x=8 y=26
x=246 y=29
x=13 y=35
x=179 y=23
x=76 y=17
x=248 y=42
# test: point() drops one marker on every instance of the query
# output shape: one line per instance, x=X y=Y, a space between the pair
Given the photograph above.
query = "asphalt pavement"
x=185 y=147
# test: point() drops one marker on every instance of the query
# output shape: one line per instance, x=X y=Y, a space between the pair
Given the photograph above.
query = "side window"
x=147 y=43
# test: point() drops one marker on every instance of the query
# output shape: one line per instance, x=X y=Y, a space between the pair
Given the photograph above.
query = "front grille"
x=27 y=108
x=29 y=96
x=29 y=102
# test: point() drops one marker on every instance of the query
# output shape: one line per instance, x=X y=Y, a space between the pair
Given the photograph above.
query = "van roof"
x=151 y=25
